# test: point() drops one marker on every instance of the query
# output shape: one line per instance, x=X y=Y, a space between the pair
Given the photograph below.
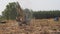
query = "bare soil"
x=37 y=26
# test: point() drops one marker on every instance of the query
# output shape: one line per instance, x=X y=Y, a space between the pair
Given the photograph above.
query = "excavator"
x=22 y=16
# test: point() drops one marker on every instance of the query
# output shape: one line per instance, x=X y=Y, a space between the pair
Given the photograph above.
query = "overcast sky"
x=33 y=4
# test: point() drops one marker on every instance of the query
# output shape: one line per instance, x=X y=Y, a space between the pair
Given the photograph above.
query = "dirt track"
x=36 y=27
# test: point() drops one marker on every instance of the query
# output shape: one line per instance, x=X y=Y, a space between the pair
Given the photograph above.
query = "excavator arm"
x=20 y=14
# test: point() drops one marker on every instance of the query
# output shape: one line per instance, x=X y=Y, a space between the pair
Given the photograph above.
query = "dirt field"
x=37 y=26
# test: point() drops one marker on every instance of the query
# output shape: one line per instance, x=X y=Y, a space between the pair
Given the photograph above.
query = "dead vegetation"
x=37 y=26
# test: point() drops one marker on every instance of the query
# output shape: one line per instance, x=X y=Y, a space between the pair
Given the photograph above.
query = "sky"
x=33 y=4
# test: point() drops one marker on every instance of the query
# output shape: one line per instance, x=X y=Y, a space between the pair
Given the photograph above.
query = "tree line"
x=46 y=14
x=10 y=12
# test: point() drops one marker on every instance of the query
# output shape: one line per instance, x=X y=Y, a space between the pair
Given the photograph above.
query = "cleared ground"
x=37 y=26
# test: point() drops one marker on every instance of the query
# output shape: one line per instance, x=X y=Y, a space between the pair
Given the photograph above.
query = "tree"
x=10 y=11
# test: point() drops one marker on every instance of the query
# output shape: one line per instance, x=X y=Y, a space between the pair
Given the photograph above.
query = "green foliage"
x=10 y=11
x=46 y=14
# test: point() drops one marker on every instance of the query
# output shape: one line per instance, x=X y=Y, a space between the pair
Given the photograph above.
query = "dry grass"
x=37 y=26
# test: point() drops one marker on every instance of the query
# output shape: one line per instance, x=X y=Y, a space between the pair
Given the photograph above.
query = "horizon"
x=35 y=5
